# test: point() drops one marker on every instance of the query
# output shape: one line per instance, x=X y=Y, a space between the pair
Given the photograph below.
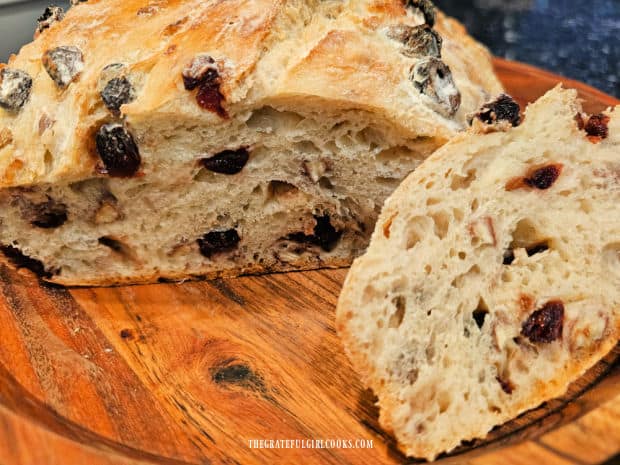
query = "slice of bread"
x=492 y=280
x=200 y=138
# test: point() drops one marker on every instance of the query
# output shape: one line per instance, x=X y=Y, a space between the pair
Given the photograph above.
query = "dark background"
x=579 y=39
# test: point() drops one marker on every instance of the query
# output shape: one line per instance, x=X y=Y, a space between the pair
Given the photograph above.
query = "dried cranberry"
x=218 y=241
x=504 y=108
x=210 y=98
x=228 y=161
x=545 y=324
x=203 y=73
x=597 y=126
x=118 y=150
x=325 y=235
x=544 y=177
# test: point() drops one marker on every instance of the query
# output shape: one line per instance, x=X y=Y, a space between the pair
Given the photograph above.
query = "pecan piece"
x=545 y=325
x=15 y=87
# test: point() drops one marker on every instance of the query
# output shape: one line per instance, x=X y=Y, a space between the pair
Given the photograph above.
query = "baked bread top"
x=210 y=61
x=492 y=280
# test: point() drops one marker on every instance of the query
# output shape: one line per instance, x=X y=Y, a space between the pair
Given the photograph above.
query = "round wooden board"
x=189 y=373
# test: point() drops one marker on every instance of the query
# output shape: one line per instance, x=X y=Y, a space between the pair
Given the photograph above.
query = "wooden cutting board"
x=189 y=373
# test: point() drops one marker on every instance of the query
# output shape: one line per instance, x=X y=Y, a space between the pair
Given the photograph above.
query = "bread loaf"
x=492 y=280
x=144 y=140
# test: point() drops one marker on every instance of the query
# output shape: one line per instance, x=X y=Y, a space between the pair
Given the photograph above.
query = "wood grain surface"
x=189 y=373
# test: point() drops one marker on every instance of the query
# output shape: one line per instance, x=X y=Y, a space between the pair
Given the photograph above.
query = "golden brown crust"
x=267 y=50
x=256 y=269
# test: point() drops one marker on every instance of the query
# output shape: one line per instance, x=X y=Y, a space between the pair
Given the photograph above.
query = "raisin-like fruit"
x=324 y=234
x=545 y=325
x=596 y=126
x=418 y=41
x=51 y=15
x=15 y=87
x=117 y=92
x=218 y=241
x=503 y=108
x=202 y=69
x=228 y=161
x=426 y=7
x=543 y=177
x=118 y=150
x=433 y=78
x=20 y=260
x=210 y=98
x=49 y=215
x=63 y=64
x=203 y=73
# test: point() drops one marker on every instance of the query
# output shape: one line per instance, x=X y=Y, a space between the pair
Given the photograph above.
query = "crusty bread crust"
x=491 y=282
x=170 y=139
x=268 y=54
x=180 y=277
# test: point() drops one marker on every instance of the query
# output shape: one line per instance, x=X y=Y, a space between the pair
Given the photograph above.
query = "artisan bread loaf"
x=144 y=140
x=492 y=279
